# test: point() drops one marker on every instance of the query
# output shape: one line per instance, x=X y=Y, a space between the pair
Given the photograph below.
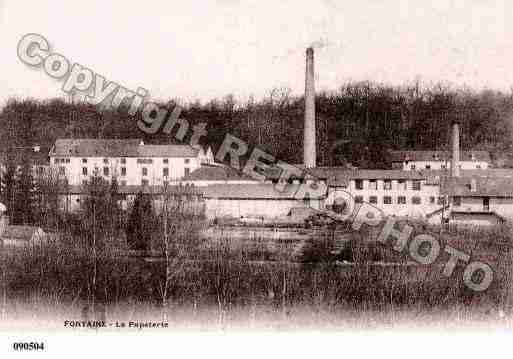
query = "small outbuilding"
x=22 y=236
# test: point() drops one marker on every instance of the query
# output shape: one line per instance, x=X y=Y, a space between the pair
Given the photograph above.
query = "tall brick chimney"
x=455 y=158
x=309 y=147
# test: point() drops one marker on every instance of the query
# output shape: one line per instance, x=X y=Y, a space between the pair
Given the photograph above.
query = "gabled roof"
x=20 y=232
x=254 y=191
x=217 y=173
x=95 y=148
x=484 y=187
x=118 y=148
x=167 y=151
x=401 y=156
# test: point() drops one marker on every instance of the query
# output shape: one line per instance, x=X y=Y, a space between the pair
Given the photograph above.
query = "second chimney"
x=455 y=160
x=309 y=151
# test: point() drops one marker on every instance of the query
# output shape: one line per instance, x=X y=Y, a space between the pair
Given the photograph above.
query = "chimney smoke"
x=455 y=161
x=309 y=150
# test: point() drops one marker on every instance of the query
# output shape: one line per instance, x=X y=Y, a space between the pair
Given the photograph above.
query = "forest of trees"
x=356 y=124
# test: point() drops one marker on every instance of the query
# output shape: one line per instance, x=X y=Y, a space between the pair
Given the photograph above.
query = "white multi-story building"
x=438 y=160
x=132 y=162
x=395 y=192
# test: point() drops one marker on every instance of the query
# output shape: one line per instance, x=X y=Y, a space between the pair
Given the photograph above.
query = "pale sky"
x=205 y=49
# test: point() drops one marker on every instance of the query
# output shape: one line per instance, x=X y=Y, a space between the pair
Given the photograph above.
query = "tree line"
x=357 y=124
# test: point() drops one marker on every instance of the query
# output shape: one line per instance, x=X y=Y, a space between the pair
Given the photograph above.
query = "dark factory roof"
x=477 y=187
x=256 y=191
x=95 y=148
x=216 y=173
x=172 y=151
x=118 y=148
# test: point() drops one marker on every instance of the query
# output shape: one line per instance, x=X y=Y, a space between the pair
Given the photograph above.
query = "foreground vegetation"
x=227 y=283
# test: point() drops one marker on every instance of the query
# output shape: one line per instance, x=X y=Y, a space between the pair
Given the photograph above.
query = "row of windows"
x=399 y=200
x=428 y=167
x=62 y=160
x=123 y=160
x=387 y=184
x=106 y=171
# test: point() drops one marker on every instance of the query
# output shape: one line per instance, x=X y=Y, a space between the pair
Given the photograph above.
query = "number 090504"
x=28 y=346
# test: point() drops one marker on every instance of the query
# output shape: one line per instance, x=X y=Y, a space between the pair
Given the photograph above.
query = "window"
x=373 y=199
x=358 y=184
x=432 y=200
x=387 y=185
x=358 y=199
x=412 y=167
x=84 y=160
x=415 y=185
x=416 y=200
x=478 y=167
x=402 y=185
x=144 y=182
x=41 y=169
x=428 y=167
x=67 y=160
x=457 y=201
x=84 y=171
x=401 y=200
x=486 y=203
x=387 y=200
x=62 y=170
x=187 y=171
x=373 y=184
x=187 y=160
x=84 y=182
x=105 y=160
x=105 y=171
x=123 y=161
x=165 y=160
x=123 y=171
x=443 y=167
x=144 y=171
x=165 y=172
x=145 y=160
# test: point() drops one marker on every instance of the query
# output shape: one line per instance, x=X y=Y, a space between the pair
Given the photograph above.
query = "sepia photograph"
x=318 y=177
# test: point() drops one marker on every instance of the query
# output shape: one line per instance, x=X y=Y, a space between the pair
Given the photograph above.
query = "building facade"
x=479 y=200
x=438 y=160
x=131 y=162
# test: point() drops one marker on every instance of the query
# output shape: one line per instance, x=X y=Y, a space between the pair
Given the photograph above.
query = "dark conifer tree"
x=141 y=223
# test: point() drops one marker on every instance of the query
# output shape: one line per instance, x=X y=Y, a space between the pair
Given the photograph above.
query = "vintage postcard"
x=183 y=177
